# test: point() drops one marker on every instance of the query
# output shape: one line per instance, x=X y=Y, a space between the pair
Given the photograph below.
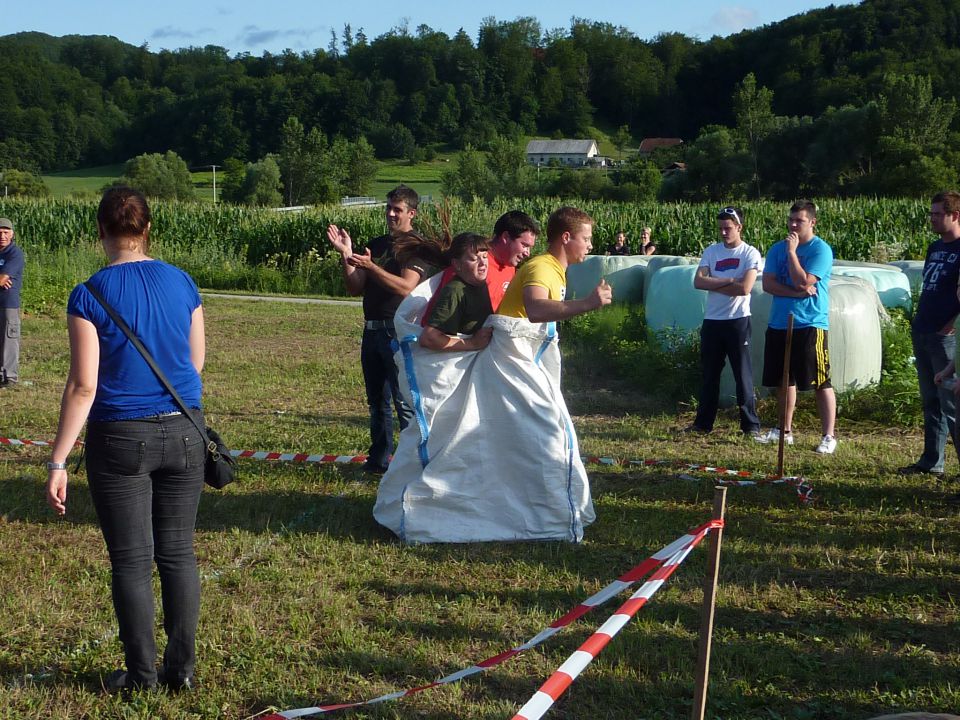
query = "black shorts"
x=809 y=358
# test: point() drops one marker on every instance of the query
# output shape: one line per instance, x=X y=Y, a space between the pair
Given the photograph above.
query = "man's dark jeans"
x=720 y=340
x=145 y=478
x=932 y=353
x=383 y=386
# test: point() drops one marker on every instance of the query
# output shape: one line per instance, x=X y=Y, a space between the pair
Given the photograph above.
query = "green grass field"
x=843 y=609
x=87 y=181
x=423 y=177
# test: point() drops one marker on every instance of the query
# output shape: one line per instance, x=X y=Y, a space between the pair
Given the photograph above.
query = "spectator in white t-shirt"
x=727 y=272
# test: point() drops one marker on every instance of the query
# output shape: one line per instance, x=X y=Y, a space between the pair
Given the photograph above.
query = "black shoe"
x=696 y=429
x=119 y=681
x=176 y=684
x=917 y=470
x=373 y=469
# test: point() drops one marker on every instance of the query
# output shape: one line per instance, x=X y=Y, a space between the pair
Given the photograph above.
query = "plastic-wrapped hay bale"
x=855 y=314
x=855 y=344
x=673 y=303
x=656 y=262
x=891 y=284
x=624 y=273
x=913 y=269
x=854 y=339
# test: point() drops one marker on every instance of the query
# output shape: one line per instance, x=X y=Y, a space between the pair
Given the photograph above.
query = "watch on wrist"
x=56 y=466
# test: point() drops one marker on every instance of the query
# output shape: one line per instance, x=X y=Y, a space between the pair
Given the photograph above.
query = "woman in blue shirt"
x=144 y=459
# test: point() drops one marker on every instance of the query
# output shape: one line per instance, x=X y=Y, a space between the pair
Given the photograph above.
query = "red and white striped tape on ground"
x=737 y=478
x=537 y=706
x=669 y=557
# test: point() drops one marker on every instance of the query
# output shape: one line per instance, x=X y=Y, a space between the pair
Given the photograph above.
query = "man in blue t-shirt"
x=932 y=332
x=11 y=277
x=797 y=273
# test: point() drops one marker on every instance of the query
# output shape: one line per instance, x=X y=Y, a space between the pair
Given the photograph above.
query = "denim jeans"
x=932 y=353
x=719 y=340
x=145 y=478
x=383 y=386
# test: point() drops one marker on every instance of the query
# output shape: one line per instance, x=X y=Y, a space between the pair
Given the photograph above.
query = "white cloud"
x=733 y=19
x=169 y=31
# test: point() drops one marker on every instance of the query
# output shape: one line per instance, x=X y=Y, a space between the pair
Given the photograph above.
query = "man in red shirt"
x=513 y=238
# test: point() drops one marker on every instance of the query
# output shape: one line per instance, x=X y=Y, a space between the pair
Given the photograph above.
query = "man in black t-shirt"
x=934 y=341
x=376 y=274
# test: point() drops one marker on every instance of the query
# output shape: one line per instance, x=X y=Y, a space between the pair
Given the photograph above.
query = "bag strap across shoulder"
x=115 y=316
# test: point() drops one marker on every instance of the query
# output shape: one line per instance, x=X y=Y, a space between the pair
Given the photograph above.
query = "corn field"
x=229 y=247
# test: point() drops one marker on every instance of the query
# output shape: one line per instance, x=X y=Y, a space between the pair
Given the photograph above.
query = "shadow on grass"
x=649 y=668
x=338 y=515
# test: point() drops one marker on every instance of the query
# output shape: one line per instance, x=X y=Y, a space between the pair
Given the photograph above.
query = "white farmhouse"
x=568 y=153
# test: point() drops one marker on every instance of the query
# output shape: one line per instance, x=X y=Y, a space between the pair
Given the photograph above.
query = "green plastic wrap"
x=891 y=284
x=624 y=273
x=674 y=305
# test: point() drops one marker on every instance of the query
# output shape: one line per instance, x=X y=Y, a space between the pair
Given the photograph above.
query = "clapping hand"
x=361 y=260
x=340 y=239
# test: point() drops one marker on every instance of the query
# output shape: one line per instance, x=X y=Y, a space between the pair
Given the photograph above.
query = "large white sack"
x=491 y=453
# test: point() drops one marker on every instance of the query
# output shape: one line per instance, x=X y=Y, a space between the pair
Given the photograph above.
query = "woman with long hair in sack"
x=144 y=458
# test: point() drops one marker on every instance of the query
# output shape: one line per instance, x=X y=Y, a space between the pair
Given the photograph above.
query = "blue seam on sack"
x=417 y=398
x=576 y=528
x=551 y=334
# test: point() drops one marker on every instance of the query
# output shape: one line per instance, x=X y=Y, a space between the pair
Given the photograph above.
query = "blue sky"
x=255 y=27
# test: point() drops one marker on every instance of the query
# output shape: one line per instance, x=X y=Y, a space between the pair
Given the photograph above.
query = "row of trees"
x=79 y=101
x=901 y=142
x=308 y=169
x=501 y=169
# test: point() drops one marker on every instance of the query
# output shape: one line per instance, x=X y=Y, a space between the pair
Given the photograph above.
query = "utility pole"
x=215 y=182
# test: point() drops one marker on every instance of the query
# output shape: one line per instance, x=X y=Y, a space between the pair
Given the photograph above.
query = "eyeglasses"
x=731 y=212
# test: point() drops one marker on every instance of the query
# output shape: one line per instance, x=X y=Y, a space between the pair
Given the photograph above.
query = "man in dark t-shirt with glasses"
x=934 y=340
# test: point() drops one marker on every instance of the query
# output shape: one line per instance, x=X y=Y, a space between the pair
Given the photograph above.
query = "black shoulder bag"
x=220 y=467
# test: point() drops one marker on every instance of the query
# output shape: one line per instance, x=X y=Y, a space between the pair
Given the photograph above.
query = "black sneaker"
x=696 y=430
x=120 y=681
x=371 y=468
x=917 y=470
x=176 y=684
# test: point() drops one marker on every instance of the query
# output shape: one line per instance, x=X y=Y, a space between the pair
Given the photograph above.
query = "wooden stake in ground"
x=784 y=386
x=709 y=605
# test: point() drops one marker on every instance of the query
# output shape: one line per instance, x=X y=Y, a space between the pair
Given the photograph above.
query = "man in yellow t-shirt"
x=538 y=290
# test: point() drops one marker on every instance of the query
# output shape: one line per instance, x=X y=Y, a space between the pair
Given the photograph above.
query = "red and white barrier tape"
x=803 y=488
x=800 y=484
x=537 y=706
x=668 y=555
x=11 y=441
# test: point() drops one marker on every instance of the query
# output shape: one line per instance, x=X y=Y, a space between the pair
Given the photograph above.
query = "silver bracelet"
x=56 y=466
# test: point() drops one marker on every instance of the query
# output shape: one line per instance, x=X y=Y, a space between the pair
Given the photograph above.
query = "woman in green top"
x=463 y=304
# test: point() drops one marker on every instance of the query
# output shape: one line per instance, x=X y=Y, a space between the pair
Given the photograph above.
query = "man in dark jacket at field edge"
x=934 y=340
x=11 y=276
x=377 y=275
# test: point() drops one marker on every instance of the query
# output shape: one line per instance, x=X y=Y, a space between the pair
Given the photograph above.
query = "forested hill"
x=85 y=100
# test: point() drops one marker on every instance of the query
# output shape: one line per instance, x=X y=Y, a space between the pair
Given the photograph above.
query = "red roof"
x=648 y=145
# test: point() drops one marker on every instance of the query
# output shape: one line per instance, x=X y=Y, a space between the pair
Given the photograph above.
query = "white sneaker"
x=827 y=445
x=773 y=436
